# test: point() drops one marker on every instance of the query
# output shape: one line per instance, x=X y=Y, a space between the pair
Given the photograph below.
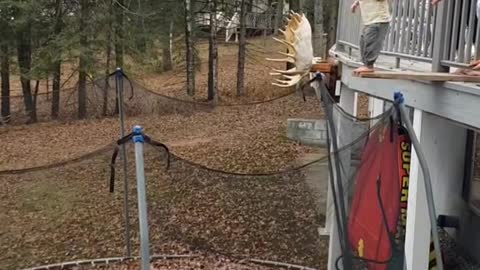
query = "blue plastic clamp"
x=398 y=97
x=138 y=134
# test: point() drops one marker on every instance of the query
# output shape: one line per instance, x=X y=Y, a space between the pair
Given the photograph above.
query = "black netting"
x=370 y=191
x=365 y=187
x=64 y=211
x=229 y=208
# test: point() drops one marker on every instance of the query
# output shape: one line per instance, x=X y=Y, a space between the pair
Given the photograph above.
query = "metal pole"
x=119 y=89
x=138 y=140
x=426 y=179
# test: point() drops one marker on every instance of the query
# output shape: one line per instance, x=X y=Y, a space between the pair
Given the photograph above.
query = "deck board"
x=422 y=76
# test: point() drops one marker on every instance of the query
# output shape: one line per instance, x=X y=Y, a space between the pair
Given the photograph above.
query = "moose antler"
x=298 y=40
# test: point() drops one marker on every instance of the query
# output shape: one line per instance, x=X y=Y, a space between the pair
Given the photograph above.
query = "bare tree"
x=167 y=50
x=82 y=77
x=108 y=55
x=331 y=13
x=213 y=55
x=24 y=53
x=318 y=31
x=5 y=77
x=57 y=65
x=242 y=44
x=119 y=42
x=278 y=16
x=296 y=5
x=189 y=45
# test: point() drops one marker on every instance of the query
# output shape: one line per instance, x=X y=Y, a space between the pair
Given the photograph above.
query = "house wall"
x=444 y=145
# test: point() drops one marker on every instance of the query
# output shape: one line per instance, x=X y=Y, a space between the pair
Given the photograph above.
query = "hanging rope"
x=125 y=140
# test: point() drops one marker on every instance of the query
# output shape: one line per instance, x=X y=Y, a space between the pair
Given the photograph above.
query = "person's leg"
x=362 y=44
x=364 y=47
x=373 y=38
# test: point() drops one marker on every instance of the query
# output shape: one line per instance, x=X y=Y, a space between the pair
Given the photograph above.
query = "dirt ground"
x=66 y=213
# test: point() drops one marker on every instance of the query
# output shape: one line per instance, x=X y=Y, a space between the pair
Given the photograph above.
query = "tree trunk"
x=108 y=52
x=118 y=41
x=167 y=50
x=24 y=51
x=82 y=77
x=57 y=65
x=319 y=45
x=295 y=5
x=278 y=16
x=142 y=40
x=241 y=51
x=330 y=12
x=190 y=51
x=35 y=94
x=5 y=77
x=250 y=6
x=213 y=55
x=119 y=34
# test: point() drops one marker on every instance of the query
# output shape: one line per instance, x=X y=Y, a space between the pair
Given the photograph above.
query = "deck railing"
x=447 y=34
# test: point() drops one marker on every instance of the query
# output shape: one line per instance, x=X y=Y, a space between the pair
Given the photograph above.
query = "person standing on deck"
x=376 y=19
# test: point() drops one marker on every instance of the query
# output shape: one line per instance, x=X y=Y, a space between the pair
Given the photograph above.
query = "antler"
x=298 y=40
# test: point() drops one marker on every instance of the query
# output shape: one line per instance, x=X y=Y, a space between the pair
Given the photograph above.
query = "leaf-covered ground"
x=67 y=213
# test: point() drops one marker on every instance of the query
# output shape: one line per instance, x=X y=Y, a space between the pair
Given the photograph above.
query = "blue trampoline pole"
x=138 y=141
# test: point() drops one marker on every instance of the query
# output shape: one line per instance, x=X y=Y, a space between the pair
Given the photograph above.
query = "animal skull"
x=298 y=40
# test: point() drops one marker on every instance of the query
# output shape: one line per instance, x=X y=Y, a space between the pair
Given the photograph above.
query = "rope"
x=108 y=147
x=123 y=141
x=211 y=105
x=99 y=151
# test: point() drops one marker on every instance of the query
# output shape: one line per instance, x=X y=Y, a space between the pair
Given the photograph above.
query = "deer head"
x=298 y=40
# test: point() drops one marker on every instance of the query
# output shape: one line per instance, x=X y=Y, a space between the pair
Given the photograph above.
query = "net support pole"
x=119 y=92
x=399 y=102
x=138 y=141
